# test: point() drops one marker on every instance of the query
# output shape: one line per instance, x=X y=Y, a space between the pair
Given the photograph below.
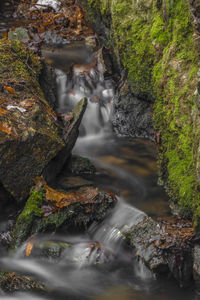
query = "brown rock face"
x=30 y=134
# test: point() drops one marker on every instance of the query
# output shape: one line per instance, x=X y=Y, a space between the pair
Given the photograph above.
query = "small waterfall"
x=110 y=232
x=87 y=81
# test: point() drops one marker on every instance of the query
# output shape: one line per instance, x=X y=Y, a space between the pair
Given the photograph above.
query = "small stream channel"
x=126 y=167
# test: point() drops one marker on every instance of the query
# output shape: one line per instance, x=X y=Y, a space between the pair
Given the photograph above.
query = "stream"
x=126 y=167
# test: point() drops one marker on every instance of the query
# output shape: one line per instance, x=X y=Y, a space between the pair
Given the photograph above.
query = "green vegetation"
x=155 y=42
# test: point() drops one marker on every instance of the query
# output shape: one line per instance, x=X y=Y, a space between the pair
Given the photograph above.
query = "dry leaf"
x=5 y=35
x=29 y=248
x=3 y=111
x=4 y=127
x=9 y=89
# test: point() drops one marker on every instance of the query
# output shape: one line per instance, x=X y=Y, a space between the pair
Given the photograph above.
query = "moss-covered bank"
x=157 y=43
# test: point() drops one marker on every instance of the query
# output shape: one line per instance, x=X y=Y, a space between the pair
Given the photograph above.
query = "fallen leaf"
x=29 y=248
x=9 y=89
x=5 y=128
x=3 y=111
x=5 y=35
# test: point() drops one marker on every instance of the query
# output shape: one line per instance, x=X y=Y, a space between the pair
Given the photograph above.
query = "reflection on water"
x=131 y=170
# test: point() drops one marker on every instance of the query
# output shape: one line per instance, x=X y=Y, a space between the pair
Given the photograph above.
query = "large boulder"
x=30 y=133
x=165 y=246
x=48 y=209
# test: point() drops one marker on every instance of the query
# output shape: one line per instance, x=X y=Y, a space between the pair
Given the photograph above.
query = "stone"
x=84 y=252
x=11 y=282
x=196 y=266
x=70 y=136
x=19 y=33
x=31 y=136
x=48 y=210
x=73 y=182
x=78 y=165
x=132 y=116
x=165 y=246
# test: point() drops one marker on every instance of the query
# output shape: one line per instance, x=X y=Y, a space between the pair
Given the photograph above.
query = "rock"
x=48 y=250
x=70 y=137
x=72 y=253
x=30 y=133
x=44 y=4
x=19 y=33
x=73 y=182
x=196 y=266
x=132 y=116
x=142 y=237
x=48 y=210
x=52 y=39
x=11 y=282
x=165 y=247
x=30 y=136
x=78 y=165
x=47 y=84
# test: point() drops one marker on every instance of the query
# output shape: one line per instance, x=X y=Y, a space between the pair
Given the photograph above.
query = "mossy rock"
x=11 y=282
x=158 y=43
x=48 y=210
x=31 y=136
x=78 y=165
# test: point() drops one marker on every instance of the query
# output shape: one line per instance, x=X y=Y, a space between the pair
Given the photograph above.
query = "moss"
x=32 y=207
x=25 y=220
x=155 y=42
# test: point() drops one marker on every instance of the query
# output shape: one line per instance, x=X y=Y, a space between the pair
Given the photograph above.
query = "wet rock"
x=48 y=210
x=30 y=133
x=196 y=266
x=18 y=34
x=70 y=136
x=79 y=252
x=142 y=236
x=132 y=116
x=52 y=39
x=165 y=247
x=47 y=84
x=44 y=4
x=11 y=282
x=73 y=182
x=78 y=165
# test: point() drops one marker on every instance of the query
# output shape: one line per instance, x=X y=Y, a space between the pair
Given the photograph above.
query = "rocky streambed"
x=75 y=228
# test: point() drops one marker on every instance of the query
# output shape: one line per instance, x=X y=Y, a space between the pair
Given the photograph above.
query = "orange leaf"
x=3 y=111
x=29 y=248
x=58 y=16
x=5 y=35
x=9 y=89
x=4 y=127
x=47 y=23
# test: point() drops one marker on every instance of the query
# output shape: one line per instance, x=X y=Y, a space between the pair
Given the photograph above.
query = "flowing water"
x=126 y=167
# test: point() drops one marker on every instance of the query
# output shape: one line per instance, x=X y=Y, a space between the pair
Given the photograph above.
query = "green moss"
x=32 y=207
x=25 y=220
x=154 y=41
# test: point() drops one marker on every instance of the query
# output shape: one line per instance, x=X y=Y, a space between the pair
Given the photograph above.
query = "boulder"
x=78 y=165
x=165 y=246
x=48 y=209
x=132 y=116
x=78 y=252
x=196 y=266
x=30 y=133
x=11 y=282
